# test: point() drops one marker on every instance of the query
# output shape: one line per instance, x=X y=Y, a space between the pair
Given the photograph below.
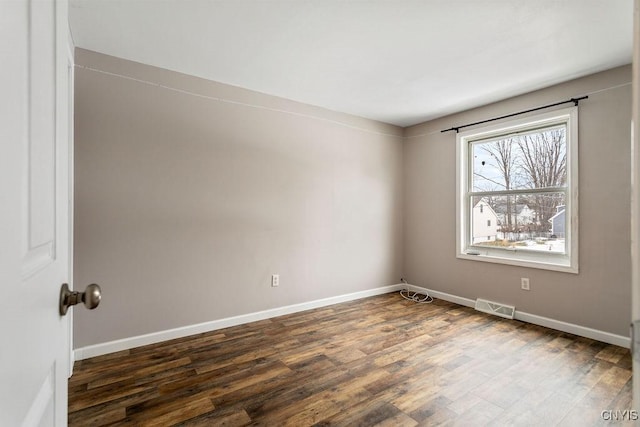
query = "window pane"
x=534 y=159
x=533 y=222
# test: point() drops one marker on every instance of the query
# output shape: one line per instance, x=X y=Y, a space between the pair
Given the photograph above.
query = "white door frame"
x=635 y=207
x=70 y=166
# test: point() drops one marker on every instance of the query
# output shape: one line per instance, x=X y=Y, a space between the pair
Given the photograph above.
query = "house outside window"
x=522 y=177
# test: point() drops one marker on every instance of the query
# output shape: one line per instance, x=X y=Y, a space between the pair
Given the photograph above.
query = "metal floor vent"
x=502 y=310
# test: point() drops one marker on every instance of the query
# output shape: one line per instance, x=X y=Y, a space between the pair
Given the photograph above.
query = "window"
x=521 y=176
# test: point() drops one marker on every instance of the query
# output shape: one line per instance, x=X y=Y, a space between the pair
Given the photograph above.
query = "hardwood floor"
x=377 y=361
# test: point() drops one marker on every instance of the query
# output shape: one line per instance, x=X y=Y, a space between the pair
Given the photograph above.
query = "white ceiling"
x=400 y=62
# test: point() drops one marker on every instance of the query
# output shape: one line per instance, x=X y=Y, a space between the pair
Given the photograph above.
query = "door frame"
x=70 y=55
x=635 y=207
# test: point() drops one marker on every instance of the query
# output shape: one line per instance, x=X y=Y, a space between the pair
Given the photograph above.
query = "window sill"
x=521 y=258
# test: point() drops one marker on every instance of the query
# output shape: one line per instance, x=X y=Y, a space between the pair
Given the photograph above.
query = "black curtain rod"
x=574 y=100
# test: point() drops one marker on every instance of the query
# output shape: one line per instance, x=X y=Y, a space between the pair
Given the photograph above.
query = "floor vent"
x=502 y=310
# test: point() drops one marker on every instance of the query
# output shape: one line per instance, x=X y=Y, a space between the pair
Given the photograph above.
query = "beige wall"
x=189 y=194
x=599 y=296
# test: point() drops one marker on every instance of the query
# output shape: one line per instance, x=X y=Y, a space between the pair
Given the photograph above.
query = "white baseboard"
x=558 y=325
x=156 y=337
x=444 y=296
x=571 y=328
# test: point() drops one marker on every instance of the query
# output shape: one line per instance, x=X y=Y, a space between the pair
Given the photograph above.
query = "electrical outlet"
x=524 y=283
x=275 y=280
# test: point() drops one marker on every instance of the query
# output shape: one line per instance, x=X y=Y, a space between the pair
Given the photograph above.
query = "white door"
x=35 y=132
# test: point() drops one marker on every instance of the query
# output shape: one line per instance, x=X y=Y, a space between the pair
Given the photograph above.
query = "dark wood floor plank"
x=220 y=418
x=169 y=410
x=378 y=361
x=369 y=412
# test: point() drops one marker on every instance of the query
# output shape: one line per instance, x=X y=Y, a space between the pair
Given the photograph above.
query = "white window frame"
x=465 y=249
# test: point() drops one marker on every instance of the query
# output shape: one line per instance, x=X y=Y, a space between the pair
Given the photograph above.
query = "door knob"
x=90 y=297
